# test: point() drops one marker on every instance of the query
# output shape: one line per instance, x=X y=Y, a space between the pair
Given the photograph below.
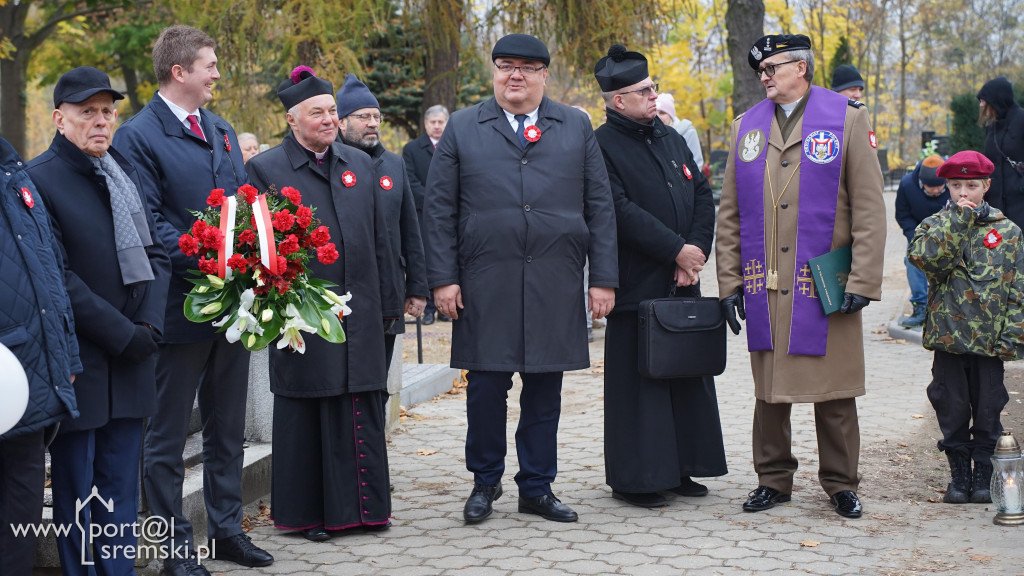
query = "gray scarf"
x=131 y=230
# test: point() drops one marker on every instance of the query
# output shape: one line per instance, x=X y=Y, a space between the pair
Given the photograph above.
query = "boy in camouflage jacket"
x=971 y=253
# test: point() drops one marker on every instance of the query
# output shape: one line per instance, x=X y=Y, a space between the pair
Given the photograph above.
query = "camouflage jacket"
x=975 y=295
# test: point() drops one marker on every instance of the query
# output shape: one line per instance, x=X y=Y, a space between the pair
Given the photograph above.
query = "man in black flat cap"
x=658 y=433
x=517 y=199
x=330 y=469
x=846 y=80
x=802 y=180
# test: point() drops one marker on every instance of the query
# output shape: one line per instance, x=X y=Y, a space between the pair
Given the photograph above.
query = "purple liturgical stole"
x=823 y=121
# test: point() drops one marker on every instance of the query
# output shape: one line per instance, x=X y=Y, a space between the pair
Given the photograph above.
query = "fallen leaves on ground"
x=917 y=416
x=262 y=518
x=425 y=452
x=809 y=543
x=980 y=558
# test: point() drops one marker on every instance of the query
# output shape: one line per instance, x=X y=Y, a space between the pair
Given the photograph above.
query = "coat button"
x=785 y=291
x=648 y=140
x=43 y=311
x=784 y=205
x=525 y=161
x=784 y=248
x=135 y=292
x=527 y=207
x=529 y=258
x=785 y=163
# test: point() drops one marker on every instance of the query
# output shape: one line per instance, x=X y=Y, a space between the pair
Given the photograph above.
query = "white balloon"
x=13 y=390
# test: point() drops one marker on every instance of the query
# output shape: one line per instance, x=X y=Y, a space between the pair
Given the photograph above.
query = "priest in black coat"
x=330 y=469
x=658 y=433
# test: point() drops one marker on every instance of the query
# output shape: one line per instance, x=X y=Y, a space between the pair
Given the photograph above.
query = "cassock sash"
x=823 y=121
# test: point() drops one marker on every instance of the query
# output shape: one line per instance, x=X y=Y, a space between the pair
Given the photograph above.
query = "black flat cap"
x=620 y=68
x=846 y=76
x=521 y=46
x=82 y=83
x=776 y=44
x=302 y=85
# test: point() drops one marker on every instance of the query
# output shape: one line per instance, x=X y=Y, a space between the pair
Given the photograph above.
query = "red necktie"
x=193 y=124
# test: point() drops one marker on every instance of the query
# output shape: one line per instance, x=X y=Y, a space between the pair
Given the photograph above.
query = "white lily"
x=246 y=321
x=291 y=331
x=339 y=303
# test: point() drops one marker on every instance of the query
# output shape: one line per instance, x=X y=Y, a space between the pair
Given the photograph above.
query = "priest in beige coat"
x=803 y=179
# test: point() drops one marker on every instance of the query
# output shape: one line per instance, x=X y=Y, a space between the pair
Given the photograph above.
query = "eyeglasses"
x=367 y=117
x=645 y=91
x=769 y=69
x=526 y=70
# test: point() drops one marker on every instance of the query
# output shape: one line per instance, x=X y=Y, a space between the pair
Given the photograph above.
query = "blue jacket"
x=177 y=170
x=36 y=323
x=106 y=311
x=913 y=205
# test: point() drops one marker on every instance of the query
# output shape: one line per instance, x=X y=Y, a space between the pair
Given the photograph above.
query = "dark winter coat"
x=36 y=322
x=391 y=183
x=1005 y=134
x=662 y=201
x=106 y=311
x=417 y=155
x=912 y=203
x=177 y=170
x=513 y=228
x=356 y=221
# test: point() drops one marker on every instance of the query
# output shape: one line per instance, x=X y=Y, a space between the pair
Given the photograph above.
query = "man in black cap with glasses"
x=517 y=199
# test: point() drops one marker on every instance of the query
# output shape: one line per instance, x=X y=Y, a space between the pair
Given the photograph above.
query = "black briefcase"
x=681 y=338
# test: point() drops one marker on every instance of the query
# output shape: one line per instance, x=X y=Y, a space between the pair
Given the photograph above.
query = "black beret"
x=521 y=46
x=82 y=83
x=620 y=68
x=846 y=76
x=776 y=44
x=302 y=85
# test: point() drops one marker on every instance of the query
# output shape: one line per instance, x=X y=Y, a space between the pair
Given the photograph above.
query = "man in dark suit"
x=330 y=468
x=359 y=120
x=517 y=199
x=181 y=152
x=417 y=155
x=116 y=276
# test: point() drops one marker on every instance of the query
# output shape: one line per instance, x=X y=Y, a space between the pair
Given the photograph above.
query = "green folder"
x=830 y=272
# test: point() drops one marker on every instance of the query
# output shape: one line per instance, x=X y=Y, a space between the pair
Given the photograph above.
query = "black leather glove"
x=853 y=303
x=732 y=306
x=141 y=346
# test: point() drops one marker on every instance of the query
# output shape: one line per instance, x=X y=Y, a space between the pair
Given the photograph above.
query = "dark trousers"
x=968 y=394
x=540 y=405
x=22 y=474
x=219 y=372
x=106 y=458
x=838 y=431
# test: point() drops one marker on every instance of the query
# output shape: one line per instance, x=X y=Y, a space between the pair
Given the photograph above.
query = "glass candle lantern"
x=1008 y=481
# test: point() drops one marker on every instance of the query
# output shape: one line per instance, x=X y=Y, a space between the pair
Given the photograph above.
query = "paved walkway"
x=902 y=532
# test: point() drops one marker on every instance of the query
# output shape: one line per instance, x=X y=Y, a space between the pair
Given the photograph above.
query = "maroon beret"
x=966 y=165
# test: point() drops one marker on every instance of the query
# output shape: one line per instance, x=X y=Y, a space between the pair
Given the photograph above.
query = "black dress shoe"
x=184 y=567
x=428 y=318
x=763 y=498
x=318 y=534
x=846 y=503
x=240 y=550
x=641 y=499
x=377 y=527
x=690 y=488
x=443 y=318
x=547 y=507
x=479 y=505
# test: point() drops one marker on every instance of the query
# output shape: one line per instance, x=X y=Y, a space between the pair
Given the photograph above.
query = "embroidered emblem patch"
x=821 y=147
x=753 y=143
x=386 y=183
x=532 y=133
x=26 y=195
x=348 y=179
x=872 y=139
x=992 y=239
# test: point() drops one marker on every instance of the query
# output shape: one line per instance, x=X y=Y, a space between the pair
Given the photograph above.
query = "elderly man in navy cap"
x=360 y=119
x=517 y=199
x=117 y=278
x=802 y=180
x=330 y=468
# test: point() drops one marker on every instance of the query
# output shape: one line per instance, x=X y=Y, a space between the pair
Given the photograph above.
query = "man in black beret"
x=330 y=469
x=517 y=199
x=658 y=433
x=846 y=80
x=802 y=179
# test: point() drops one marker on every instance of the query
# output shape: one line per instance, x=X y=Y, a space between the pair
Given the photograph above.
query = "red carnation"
x=320 y=236
x=247 y=236
x=216 y=197
x=282 y=263
x=213 y=238
x=283 y=220
x=250 y=193
x=238 y=262
x=327 y=254
x=304 y=216
x=208 y=266
x=289 y=246
x=188 y=245
x=292 y=194
x=293 y=271
x=198 y=227
x=281 y=284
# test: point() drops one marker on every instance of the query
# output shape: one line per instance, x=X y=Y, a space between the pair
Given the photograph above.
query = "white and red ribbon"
x=265 y=232
x=228 y=210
